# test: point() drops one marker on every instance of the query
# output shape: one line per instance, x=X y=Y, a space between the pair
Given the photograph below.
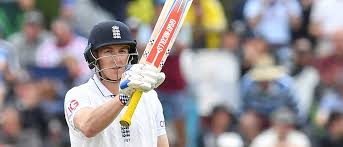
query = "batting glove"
x=142 y=77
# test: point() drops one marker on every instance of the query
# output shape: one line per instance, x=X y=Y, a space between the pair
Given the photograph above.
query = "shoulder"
x=264 y=139
x=7 y=45
x=266 y=134
x=298 y=134
x=247 y=81
x=47 y=44
x=45 y=35
x=77 y=89
x=331 y=98
x=77 y=92
x=285 y=81
x=16 y=37
x=151 y=93
x=153 y=99
x=299 y=138
x=152 y=96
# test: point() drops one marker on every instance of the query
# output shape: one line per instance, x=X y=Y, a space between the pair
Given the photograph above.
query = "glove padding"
x=142 y=77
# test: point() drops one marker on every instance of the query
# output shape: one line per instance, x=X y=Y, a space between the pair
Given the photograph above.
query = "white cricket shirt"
x=147 y=122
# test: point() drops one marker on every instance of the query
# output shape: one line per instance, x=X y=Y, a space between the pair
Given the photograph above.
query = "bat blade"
x=161 y=41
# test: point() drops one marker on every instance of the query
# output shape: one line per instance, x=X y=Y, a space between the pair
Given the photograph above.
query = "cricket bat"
x=161 y=41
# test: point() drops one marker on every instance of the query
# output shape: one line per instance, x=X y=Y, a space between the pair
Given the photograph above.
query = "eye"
x=108 y=51
x=124 y=51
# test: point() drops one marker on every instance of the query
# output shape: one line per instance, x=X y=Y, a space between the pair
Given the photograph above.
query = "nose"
x=119 y=60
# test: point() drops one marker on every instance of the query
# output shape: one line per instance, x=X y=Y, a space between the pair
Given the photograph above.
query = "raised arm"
x=91 y=121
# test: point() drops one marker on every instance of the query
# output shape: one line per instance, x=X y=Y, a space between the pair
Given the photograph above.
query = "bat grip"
x=126 y=118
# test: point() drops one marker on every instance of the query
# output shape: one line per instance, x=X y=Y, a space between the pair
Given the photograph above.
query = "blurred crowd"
x=242 y=73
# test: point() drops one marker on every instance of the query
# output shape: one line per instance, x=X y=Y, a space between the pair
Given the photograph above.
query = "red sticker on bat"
x=167 y=32
x=72 y=105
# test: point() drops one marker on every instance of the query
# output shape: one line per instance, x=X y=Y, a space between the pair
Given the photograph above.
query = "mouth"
x=118 y=68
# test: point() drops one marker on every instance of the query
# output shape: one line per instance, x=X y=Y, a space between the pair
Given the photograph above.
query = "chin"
x=113 y=73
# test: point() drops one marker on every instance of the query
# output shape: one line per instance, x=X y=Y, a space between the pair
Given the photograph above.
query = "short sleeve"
x=160 y=122
x=74 y=101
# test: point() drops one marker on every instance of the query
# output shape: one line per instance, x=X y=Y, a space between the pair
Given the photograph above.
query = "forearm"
x=102 y=116
x=162 y=141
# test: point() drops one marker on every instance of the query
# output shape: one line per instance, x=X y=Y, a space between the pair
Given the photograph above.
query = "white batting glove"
x=142 y=77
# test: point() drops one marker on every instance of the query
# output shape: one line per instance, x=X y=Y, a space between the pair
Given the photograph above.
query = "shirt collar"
x=101 y=87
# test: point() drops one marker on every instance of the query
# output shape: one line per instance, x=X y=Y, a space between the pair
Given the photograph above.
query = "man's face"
x=113 y=60
x=31 y=31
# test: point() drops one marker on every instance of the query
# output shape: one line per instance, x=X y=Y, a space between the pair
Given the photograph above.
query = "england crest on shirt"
x=125 y=132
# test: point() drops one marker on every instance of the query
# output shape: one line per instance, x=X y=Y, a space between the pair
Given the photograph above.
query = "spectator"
x=303 y=31
x=9 y=70
x=67 y=11
x=48 y=112
x=274 y=20
x=13 y=134
x=209 y=86
x=267 y=87
x=51 y=102
x=282 y=132
x=52 y=106
x=253 y=49
x=325 y=22
x=264 y=89
x=305 y=76
x=229 y=140
x=234 y=13
x=27 y=100
x=331 y=101
x=334 y=135
x=27 y=41
x=230 y=41
x=12 y=60
x=250 y=125
x=83 y=15
x=117 y=9
x=220 y=123
x=143 y=10
x=229 y=9
x=64 y=50
x=331 y=66
x=207 y=19
x=141 y=31
x=12 y=13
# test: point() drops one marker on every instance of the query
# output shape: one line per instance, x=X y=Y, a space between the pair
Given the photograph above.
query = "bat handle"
x=126 y=118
